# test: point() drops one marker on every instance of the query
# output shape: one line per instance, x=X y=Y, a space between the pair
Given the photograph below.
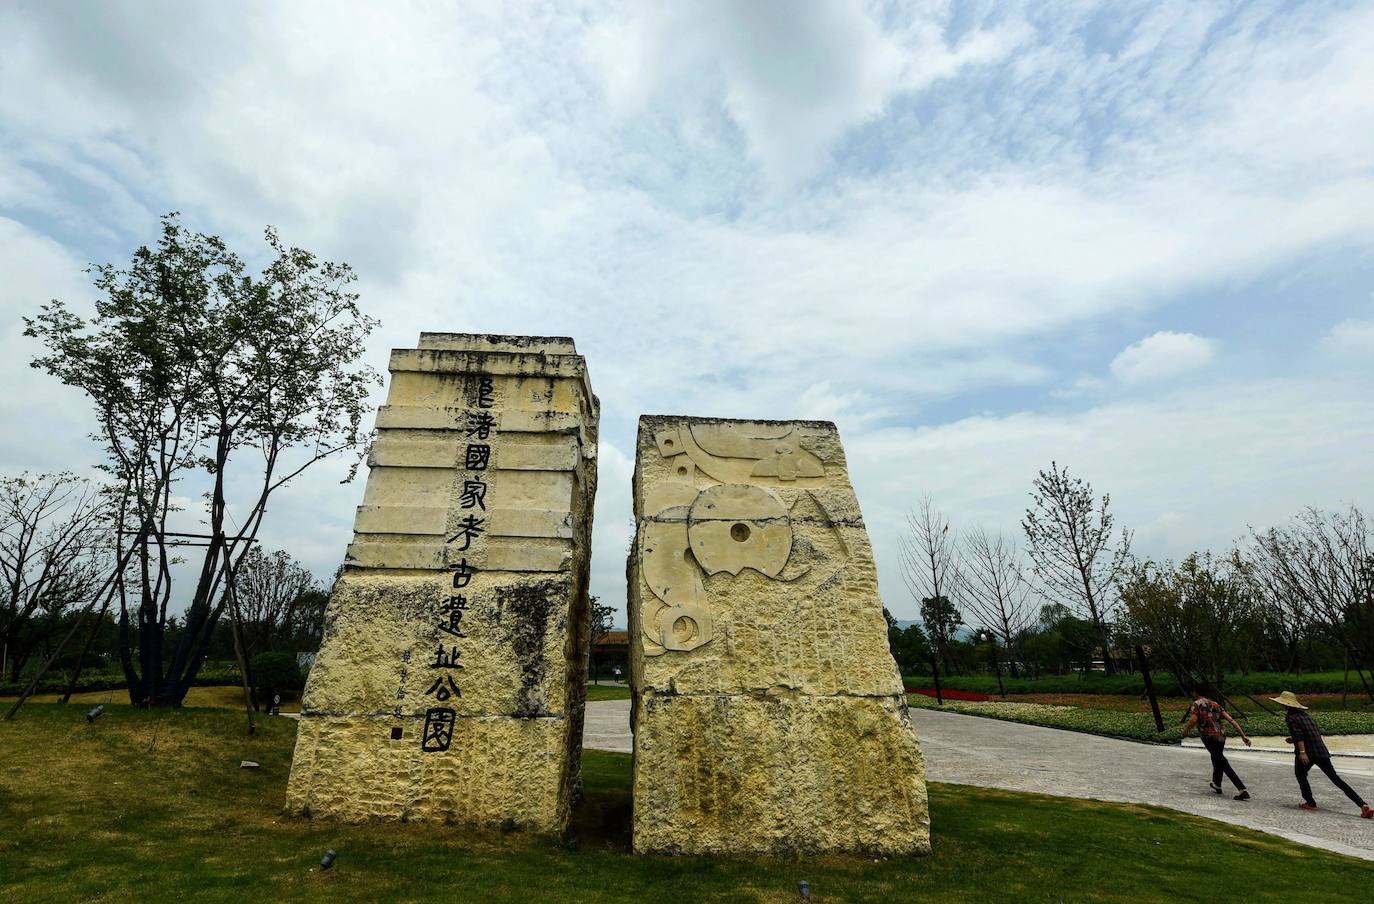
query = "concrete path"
x=607 y=726
x=969 y=750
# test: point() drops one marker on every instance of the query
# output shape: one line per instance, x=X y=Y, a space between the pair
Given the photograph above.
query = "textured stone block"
x=768 y=713
x=450 y=681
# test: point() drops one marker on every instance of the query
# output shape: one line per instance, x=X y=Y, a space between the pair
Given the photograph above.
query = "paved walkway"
x=969 y=750
x=607 y=726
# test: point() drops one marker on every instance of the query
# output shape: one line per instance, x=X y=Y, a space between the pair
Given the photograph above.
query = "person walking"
x=1310 y=750
x=1208 y=715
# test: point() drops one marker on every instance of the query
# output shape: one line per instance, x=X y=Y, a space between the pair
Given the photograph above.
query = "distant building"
x=611 y=651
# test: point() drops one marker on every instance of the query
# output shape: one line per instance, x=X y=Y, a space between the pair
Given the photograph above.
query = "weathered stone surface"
x=768 y=713
x=449 y=685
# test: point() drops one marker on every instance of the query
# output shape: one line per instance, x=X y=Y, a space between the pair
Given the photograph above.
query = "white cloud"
x=793 y=77
x=971 y=207
x=1162 y=356
x=1352 y=339
x=1188 y=470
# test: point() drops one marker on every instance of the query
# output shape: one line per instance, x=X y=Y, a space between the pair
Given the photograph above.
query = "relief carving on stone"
x=724 y=528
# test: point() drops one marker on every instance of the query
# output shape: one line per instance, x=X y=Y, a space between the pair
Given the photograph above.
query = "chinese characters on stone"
x=441 y=719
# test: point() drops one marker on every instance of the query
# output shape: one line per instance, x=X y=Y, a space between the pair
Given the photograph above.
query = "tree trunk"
x=238 y=654
x=85 y=649
x=1105 y=638
x=1149 y=687
x=1345 y=680
x=997 y=667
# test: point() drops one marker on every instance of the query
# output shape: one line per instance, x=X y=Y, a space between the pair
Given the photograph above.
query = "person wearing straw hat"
x=1310 y=750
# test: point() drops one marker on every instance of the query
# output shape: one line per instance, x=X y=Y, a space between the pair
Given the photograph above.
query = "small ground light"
x=804 y=889
x=328 y=860
x=94 y=714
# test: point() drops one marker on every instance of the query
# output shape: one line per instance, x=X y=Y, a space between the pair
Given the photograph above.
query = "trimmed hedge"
x=1134 y=685
x=55 y=682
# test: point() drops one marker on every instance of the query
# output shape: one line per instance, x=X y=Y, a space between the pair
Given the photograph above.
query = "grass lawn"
x=154 y=807
x=229 y=697
x=1134 y=724
x=1240 y=707
x=607 y=692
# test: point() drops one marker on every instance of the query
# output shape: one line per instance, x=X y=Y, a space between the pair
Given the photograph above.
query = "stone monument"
x=768 y=713
x=450 y=681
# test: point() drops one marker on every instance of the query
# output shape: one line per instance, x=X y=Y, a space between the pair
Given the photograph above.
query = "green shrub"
x=275 y=672
x=1134 y=685
x=212 y=674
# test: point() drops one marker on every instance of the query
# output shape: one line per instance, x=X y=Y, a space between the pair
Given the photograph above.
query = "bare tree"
x=930 y=569
x=1322 y=564
x=995 y=588
x=270 y=588
x=55 y=548
x=1069 y=536
x=1287 y=614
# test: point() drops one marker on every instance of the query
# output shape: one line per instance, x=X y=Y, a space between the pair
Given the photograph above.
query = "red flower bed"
x=950 y=694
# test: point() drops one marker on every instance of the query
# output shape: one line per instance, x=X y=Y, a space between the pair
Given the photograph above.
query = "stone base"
x=499 y=771
x=778 y=774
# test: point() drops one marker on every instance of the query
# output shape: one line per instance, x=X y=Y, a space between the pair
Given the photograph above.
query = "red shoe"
x=1306 y=806
x=1367 y=812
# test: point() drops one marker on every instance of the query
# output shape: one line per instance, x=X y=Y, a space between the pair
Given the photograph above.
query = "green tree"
x=600 y=626
x=1059 y=641
x=306 y=626
x=941 y=619
x=198 y=370
x=910 y=649
x=273 y=673
x=1199 y=617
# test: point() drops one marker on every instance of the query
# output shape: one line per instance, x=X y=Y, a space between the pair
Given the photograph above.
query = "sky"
x=1131 y=237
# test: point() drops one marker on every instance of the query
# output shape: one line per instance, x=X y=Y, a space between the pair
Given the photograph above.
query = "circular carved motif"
x=734 y=526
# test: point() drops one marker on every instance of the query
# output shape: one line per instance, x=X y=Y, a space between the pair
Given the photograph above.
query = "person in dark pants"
x=1208 y=716
x=1310 y=750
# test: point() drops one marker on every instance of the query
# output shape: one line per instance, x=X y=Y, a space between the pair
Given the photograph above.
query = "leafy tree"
x=1059 y=641
x=1199 y=616
x=198 y=370
x=306 y=626
x=274 y=673
x=600 y=626
x=910 y=648
x=941 y=619
x=1069 y=536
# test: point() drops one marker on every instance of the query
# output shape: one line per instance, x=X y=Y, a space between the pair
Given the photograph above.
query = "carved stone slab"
x=450 y=681
x=768 y=713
